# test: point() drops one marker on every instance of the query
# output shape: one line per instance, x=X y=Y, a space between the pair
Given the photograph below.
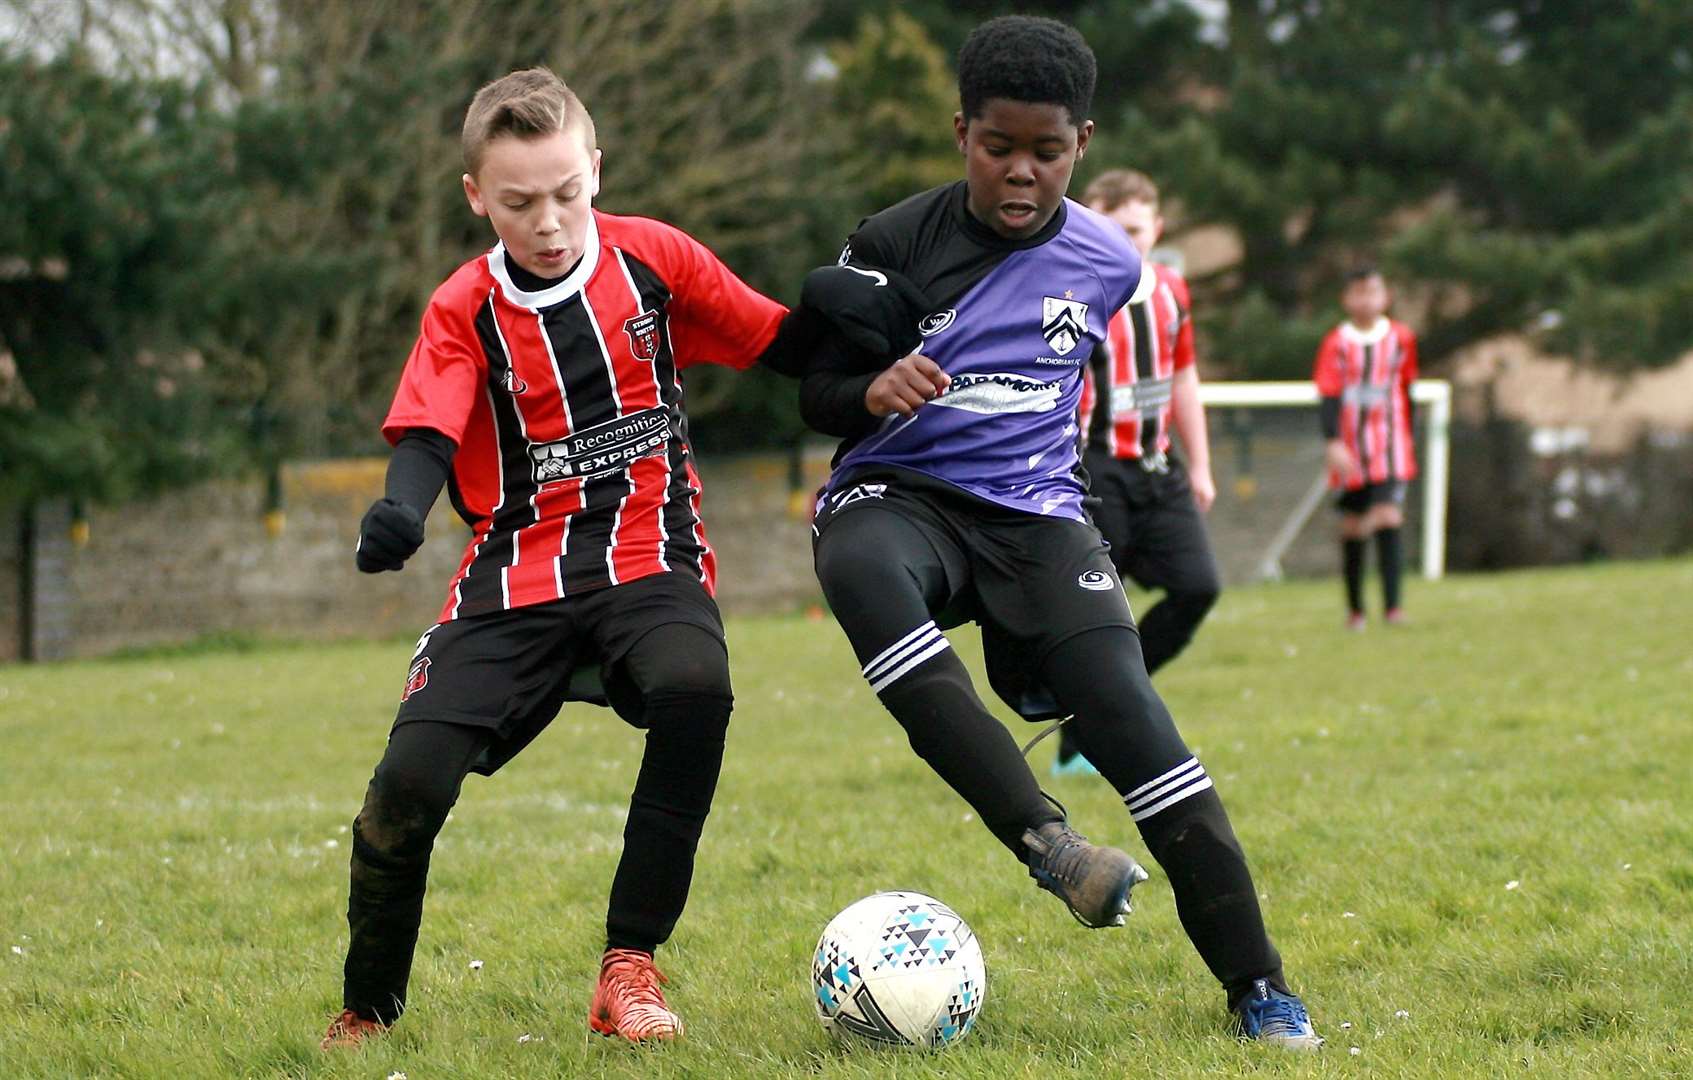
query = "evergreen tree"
x=1516 y=166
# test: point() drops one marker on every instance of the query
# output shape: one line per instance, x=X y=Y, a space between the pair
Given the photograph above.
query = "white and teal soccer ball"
x=899 y=968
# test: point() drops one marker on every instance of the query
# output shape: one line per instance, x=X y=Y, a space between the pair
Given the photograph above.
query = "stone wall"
x=202 y=561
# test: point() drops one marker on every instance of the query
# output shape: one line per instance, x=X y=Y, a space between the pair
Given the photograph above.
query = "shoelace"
x=1064 y=856
x=638 y=978
x=1281 y=1016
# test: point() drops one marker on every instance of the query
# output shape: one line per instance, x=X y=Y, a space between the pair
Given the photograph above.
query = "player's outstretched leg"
x=682 y=674
x=413 y=788
x=883 y=576
x=1127 y=732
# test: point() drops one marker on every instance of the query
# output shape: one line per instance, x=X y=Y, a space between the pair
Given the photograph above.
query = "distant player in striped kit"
x=1364 y=372
x=1140 y=382
x=544 y=392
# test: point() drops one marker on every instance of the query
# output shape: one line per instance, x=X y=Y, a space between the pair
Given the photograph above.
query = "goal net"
x=1267 y=458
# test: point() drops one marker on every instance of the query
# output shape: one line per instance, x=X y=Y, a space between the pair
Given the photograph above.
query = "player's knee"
x=404 y=807
x=1195 y=603
x=682 y=661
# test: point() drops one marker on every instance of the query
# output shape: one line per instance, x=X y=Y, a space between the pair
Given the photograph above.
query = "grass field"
x=1474 y=837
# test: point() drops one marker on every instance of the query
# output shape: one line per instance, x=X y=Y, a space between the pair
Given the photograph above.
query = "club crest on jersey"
x=1064 y=322
x=643 y=335
x=511 y=384
x=417 y=678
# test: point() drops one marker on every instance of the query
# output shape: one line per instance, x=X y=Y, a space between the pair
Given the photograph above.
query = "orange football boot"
x=628 y=1001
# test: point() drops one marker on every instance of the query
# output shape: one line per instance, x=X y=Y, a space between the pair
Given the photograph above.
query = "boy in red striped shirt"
x=544 y=392
x=1364 y=372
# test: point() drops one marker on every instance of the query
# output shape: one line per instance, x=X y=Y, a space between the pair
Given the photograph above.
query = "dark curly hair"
x=1026 y=58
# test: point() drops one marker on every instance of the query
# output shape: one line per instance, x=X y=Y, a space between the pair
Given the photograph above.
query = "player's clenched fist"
x=909 y=383
x=389 y=534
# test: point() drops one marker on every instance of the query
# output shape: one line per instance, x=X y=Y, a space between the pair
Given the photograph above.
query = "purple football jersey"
x=1015 y=344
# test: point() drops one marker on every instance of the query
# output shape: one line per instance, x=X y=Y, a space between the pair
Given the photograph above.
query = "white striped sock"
x=905 y=646
x=1167 y=789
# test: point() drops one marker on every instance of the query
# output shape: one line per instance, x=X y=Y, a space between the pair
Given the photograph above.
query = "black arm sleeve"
x=1330 y=415
x=797 y=338
x=422 y=460
x=831 y=396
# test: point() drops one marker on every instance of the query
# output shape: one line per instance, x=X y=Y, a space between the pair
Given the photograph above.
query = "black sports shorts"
x=511 y=671
x=1359 y=500
x=1029 y=581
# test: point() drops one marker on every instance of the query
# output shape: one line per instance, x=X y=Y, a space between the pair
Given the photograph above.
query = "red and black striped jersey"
x=1371 y=372
x=573 y=467
x=1146 y=343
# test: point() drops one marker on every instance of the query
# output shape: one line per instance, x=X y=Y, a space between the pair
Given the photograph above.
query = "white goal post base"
x=1436 y=394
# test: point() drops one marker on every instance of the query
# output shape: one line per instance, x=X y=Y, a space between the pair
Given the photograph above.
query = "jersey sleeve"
x=443 y=375
x=1330 y=379
x=1184 y=354
x=1408 y=369
x=715 y=317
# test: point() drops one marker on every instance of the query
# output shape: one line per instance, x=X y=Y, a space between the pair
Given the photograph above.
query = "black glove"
x=389 y=534
x=877 y=310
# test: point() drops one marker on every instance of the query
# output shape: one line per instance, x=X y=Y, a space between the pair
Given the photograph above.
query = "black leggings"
x=682 y=674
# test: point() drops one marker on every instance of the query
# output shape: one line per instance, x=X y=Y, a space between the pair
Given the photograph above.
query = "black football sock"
x=667 y=812
x=1215 y=899
x=1125 y=729
x=1390 y=549
x=1352 y=564
x=405 y=805
x=953 y=731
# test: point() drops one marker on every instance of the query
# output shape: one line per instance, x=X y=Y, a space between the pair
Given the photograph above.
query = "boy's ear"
x=1083 y=134
x=960 y=126
x=473 y=195
x=594 y=187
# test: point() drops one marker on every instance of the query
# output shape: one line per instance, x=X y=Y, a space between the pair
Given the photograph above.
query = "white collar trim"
x=1365 y=337
x=555 y=294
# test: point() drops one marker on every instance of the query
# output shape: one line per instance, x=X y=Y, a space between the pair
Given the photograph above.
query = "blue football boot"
x=1271 y=1016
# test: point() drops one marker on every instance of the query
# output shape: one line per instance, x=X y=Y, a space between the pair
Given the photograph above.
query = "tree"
x=1517 y=166
x=103 y=184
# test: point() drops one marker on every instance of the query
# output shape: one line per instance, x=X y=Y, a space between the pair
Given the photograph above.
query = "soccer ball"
x=899 y=968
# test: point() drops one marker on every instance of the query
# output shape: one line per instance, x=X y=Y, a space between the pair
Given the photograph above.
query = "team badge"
x=417 y=678
x=643 y=335
x=1064 y=322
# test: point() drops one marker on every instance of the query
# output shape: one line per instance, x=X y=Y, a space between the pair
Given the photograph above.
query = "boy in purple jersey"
x=957 y=494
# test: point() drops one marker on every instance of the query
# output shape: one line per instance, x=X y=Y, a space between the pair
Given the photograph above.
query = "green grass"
x=173 y=853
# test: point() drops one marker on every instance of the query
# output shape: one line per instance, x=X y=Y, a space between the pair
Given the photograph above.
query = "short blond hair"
x=1112 y=189
x=527 y=104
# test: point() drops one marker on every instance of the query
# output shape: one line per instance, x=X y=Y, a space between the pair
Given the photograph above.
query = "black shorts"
x=511 y=671
x=1029 y=581
x=1155 y=529
x=1359 y=500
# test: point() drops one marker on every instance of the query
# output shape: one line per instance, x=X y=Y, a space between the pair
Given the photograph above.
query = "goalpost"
x=1434 y=394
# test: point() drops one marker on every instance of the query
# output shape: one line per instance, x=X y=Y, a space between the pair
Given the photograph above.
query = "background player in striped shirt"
x=544 y=392
x=1364 y=370
x=955 y=495
x=1140 y=379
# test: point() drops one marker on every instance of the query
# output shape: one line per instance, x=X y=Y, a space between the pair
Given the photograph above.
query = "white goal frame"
x=1436 y=394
